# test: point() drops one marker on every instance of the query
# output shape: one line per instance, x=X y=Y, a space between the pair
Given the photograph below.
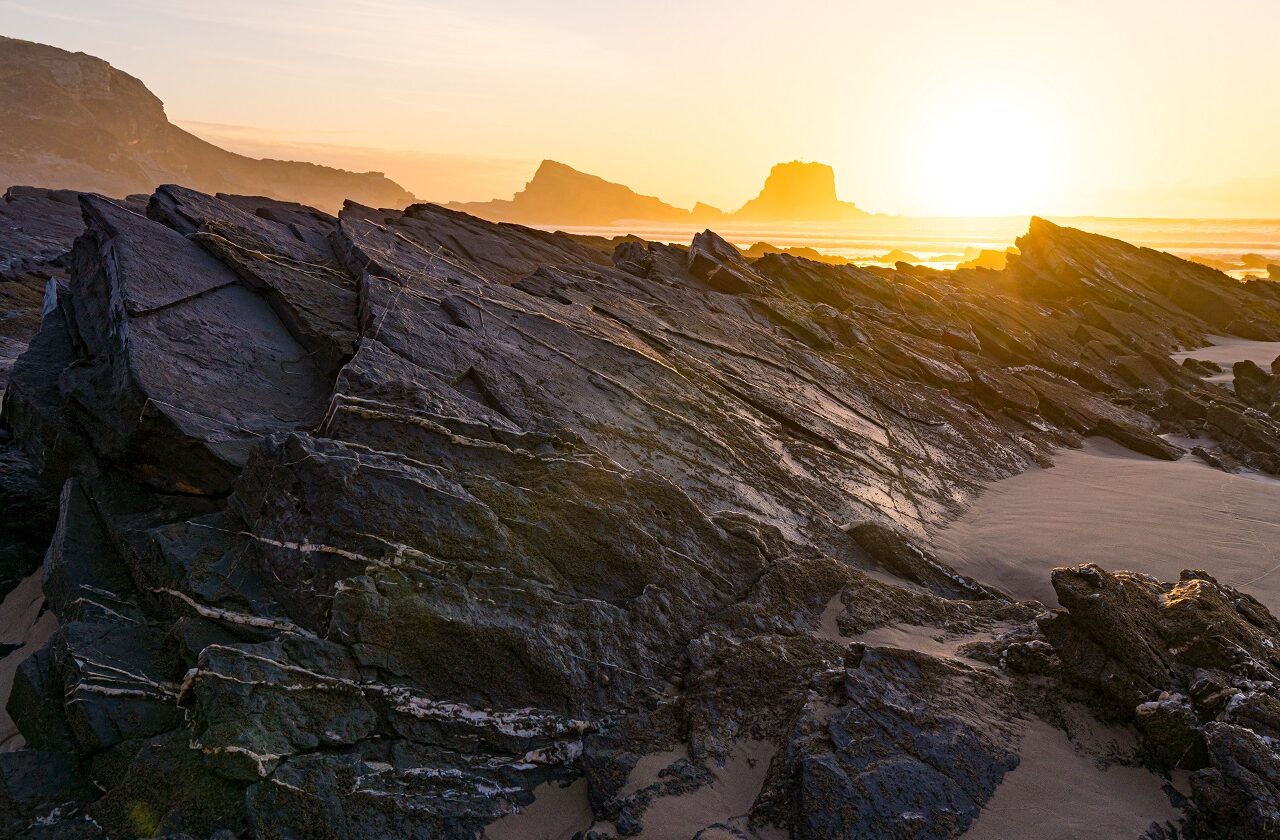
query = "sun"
x=986 y=156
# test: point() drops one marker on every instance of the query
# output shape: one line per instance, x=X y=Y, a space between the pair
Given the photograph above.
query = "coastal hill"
x=561 y=195
x=72 y=121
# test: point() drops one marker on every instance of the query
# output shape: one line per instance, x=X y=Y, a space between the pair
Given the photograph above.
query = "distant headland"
x=561 y=195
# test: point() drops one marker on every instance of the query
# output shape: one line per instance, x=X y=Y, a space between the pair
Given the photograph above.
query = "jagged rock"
x=897 y=553
x=35 y=704
x=165 y=788
x=281 y=251
x=1203 y=367
x=37 y=228
x=370 y=525
x=116 y=682
x=1258 y=388
x=254 y=704
x=1237 y=797
x=1137 y=439
x=1194 y=665
x=188 y=369
x=720 y=265
x=26 y=517
x=37 y=787
x=904 y=739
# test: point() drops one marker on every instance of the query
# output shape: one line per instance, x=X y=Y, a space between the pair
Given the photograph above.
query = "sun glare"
x=986 y=157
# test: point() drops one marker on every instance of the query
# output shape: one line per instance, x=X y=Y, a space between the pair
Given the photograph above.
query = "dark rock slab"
x=912 y=739
x=283 y=252
x=36 y=787
x=254 y=705
x=37 y=228
x=189 y=368
x=117 y=682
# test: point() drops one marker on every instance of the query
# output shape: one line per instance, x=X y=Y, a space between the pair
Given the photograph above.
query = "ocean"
x=941 y=242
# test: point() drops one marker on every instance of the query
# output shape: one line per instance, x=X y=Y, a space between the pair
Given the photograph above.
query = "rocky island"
x=403 y=523
x=561 y=195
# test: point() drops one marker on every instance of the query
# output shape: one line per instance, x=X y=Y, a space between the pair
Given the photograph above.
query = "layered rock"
x=1193 y=665
x=384 y=524
x=37 y=228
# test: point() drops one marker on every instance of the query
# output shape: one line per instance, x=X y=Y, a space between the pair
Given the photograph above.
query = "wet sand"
x=1107 y=505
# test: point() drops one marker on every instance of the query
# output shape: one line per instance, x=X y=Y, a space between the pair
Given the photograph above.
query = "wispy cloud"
x=50 y=14
x=410 y=34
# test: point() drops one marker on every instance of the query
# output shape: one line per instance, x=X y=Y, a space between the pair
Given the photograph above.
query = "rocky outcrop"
x=561 y=195
x=72 y=121
x=1257 y=388
x=799 y=192
x=1193 y=665
x=388 y=523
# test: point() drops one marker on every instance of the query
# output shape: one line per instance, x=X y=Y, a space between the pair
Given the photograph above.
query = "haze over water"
x=935 y=240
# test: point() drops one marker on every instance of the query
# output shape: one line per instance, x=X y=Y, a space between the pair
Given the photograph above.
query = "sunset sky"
x=1122 y=107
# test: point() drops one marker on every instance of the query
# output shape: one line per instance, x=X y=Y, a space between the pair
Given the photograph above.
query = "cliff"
x=72 y=121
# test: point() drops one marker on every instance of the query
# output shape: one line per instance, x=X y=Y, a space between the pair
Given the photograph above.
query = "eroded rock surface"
x=384 y=524
x=1193 y=665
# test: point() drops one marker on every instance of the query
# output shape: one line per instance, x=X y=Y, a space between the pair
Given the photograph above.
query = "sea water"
x=942 y=242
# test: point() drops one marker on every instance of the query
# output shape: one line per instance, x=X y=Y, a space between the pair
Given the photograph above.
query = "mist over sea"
x=939 y=242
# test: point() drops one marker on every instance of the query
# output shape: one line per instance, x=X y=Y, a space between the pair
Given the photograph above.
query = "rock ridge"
x=391 y=522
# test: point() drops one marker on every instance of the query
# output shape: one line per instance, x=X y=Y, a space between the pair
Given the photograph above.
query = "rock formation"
x=760 y=249
x=1193 y=665
x=800 y=192
x=396 y=523
x=72 y=121
x=561 y=195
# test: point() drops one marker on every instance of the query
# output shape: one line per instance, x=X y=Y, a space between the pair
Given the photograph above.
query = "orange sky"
x=1124 y=107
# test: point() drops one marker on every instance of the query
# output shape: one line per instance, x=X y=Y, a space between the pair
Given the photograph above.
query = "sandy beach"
x=1227 y=350
x=1056 y=793
x=1107 y=505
